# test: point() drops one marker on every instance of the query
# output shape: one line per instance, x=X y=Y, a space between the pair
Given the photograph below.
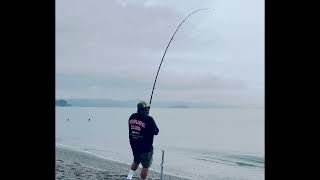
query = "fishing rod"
x=166 y=52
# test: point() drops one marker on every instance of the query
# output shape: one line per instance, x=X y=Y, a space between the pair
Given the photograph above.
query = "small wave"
x=249 y=158
x=202 y=159
x=233 y=160
x=89 y=151
x=95 y=149
x=66 y=146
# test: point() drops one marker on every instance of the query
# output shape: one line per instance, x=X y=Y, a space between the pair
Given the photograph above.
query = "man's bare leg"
x=144 y=173
x=134 y=167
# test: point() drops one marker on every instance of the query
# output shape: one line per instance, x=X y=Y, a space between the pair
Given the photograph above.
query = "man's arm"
x=129 y=124
x=155 y=128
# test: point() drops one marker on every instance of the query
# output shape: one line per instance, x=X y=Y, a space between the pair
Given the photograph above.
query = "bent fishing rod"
x=166 y=52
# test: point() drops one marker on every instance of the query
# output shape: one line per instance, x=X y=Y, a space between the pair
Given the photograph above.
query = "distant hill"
x=101 y=103
x=118 y=103
x=133 y=103
x=62 y=102
x=179 y=106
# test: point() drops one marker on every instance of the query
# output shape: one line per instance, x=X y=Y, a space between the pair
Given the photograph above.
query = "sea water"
x=198 y=143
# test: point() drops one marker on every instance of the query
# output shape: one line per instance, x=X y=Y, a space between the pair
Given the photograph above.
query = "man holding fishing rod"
x=142 y=129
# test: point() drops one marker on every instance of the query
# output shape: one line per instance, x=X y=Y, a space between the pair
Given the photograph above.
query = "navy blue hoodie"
x=142 y=129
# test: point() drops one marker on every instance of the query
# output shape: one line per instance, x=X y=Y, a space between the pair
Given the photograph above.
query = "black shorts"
x=144 y=158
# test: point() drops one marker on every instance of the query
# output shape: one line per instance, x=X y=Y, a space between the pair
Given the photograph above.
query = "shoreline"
x=72 y=164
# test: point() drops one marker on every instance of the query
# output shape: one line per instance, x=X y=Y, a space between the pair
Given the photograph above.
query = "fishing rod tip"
x=206 y=9
x=210 y=9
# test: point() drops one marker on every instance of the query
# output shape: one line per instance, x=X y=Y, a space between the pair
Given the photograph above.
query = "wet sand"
x=79 y=165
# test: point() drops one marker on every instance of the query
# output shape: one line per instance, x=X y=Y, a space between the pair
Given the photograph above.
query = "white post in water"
x=162 y=165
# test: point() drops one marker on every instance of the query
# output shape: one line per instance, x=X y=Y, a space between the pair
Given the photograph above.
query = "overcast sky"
x=112 y=48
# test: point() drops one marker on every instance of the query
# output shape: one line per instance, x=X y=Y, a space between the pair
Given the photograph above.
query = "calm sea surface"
x=198 y=143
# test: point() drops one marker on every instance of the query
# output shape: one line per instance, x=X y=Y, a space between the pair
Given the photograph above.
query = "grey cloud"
x=116 y=46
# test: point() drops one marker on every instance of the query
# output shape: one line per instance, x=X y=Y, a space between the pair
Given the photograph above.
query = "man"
x=142 y=129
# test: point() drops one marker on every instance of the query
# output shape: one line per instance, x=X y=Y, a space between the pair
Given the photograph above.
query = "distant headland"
x=179 y=106
x=77 y=102
x=62 y=102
